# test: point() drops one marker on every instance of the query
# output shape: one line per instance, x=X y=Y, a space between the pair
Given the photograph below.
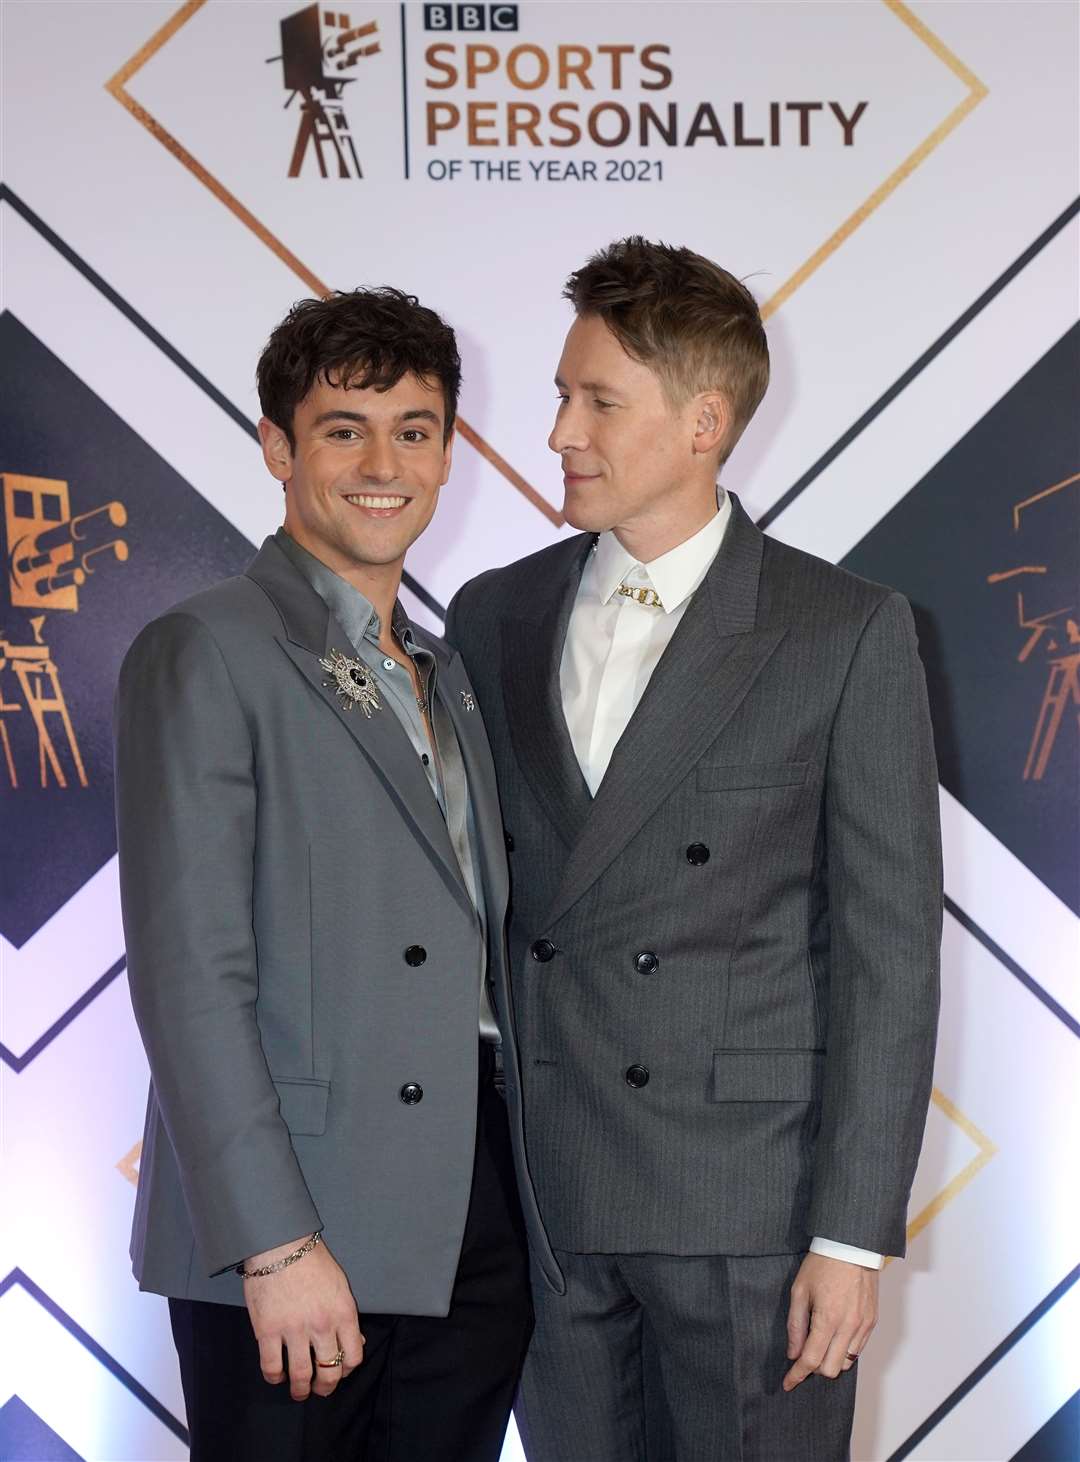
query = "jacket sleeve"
x=186 y=819
x=452 y=625
x=883 y=860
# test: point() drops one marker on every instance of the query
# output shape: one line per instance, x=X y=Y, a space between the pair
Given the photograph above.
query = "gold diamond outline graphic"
x=986 y=1151
x=116 y=86
x=977 y=92
x=128 y=1164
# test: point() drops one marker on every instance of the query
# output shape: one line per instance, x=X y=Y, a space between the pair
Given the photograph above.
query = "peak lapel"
x=712 y=661
x=311 y=633
x=532 y=650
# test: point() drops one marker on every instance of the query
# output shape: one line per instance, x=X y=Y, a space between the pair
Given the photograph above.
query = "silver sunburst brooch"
x=354 y=683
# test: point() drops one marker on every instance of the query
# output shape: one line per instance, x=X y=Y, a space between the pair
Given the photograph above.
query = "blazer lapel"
x=532 y=651
x=311 y=633
x=703 y=676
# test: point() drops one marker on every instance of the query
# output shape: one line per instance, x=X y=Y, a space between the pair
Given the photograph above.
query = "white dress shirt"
x=613 y=645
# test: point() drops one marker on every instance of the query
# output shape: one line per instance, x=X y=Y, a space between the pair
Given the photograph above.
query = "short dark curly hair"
x=696 y=326
x=361 y=337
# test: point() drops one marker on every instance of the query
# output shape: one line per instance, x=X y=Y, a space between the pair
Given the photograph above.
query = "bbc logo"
x=470 y=17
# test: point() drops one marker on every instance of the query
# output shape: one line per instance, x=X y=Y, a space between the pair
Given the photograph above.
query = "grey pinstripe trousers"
x=659 y=1358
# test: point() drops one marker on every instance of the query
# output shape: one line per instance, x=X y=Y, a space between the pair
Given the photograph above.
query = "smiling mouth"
x=373 y=500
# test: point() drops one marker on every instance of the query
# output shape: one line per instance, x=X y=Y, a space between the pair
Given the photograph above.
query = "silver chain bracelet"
x=280 y=1264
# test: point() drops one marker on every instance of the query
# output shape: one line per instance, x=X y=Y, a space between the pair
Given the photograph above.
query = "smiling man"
x=314 y=887
x=718 y=777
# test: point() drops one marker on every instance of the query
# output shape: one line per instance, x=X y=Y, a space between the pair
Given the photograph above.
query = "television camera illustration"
x=1048 y=608
x=50 y=558
x=317 y=48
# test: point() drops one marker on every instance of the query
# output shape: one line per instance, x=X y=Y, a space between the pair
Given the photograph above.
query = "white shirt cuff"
x=848 y=1252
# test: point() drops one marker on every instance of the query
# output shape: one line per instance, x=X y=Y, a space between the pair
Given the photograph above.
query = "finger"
x=798 y=1323
x=812 y=1354
x=326 y=1374
x=299 y=1366
x=857 y=1343
x=270 y=1359
x=835 y=1358
x=351 y=1341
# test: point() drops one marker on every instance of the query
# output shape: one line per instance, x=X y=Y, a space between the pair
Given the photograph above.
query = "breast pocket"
x=724 y=777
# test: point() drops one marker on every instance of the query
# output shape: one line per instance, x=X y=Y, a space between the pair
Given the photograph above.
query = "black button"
x=509 y=841
x=637 y=1077
x=697 y=853
x=412 y=1092
x=646 y=963
x=415 y=955
x=425 y=758
x=543 y=950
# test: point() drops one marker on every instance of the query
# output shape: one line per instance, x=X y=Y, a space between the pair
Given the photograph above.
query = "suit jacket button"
x=646 y=963
x=697 y=853
x=415 y=955
x=542 y=951
x=509 y=841
x=637 y=1077
x=412 y=1092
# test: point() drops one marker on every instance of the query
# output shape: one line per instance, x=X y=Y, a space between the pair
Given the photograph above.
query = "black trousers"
x=430 y=1389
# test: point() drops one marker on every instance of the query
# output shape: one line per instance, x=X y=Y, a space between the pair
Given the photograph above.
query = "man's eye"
x=344 y=433
x=598 y=402
x=562 y=399
x=414 y=434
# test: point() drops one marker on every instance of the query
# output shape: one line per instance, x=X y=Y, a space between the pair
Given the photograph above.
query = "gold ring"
x=328 y=1365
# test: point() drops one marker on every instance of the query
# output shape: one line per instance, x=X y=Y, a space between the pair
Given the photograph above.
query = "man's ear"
x=712 y=423
x=448 y=454
x=277 y=454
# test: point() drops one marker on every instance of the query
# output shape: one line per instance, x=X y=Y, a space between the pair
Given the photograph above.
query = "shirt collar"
x=403 y=630
x=353 y=610
x=674 y=575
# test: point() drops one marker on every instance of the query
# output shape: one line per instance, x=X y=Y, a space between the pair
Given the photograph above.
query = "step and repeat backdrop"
x=897 y=183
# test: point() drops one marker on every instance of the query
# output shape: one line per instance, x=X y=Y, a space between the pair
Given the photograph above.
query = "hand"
x=834 y=1306
x=307 y=1307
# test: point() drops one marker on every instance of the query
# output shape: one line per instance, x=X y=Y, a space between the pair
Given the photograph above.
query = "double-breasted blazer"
x=725 y=966
x=304 y=957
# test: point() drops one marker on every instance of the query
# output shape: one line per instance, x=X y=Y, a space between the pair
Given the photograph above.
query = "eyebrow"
x=600 y=386
x=419 y=413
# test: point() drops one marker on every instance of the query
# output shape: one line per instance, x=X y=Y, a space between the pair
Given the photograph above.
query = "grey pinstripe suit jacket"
x=789 y=1028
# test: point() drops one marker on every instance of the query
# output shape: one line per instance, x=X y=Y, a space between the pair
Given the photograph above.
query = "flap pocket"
x=303 y=1104
x=716 y=777
x=766 y=1076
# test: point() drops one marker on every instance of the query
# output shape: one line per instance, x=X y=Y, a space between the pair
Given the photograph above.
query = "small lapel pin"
x=354 y=683
x=467 y=701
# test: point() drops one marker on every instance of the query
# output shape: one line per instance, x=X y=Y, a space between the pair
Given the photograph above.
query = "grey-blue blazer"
x=278 y=856
x=748 y=912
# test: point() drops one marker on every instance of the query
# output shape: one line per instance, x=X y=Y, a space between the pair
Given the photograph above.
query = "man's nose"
x=568 y=433
x=378 y=463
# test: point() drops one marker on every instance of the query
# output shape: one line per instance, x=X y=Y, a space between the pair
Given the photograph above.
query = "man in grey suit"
x=717 y=773
x=314 y=889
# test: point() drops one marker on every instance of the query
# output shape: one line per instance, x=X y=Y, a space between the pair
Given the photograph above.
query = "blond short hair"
x=696 y=326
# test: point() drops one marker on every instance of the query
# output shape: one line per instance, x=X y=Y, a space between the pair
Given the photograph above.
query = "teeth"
x=365 y=500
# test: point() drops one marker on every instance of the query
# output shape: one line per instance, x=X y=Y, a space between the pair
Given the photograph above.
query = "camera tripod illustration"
x=1057 y=630
x=50 y=557
x=1062 y=689
x=316 y=47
